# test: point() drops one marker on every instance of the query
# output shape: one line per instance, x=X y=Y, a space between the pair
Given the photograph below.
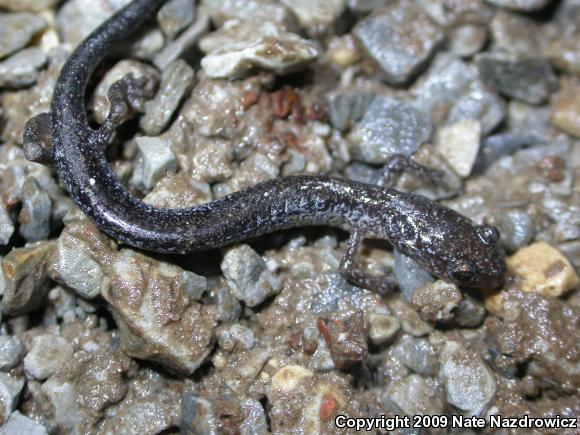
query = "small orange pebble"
x=328 y=406
x=249 y=99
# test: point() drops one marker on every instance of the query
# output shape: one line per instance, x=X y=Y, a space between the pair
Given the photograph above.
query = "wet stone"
x=22 y=69
x=389 y=127
x=416 y=354
x=347 y=106
x=16 y=31
x=176 y=15
x=459 y=144
x=235 y=337
x=521 y=5
x=248 y=276
x=176 y=81
x=415 y=395
x=269 y=48
x=382 y=328
x=410 y=275
x=346 y=338
x=470 y=384
x=6 y=226
x=20 y=424
x=36 y=211
x=26 y=277
x=401 y=39
x=11 y=352
x=517 y=229
x=469 y=313
x=321 y=360
x=10 y=389
x=47 y=355
x=524 y=78
x=155 y=160
x=436 y=302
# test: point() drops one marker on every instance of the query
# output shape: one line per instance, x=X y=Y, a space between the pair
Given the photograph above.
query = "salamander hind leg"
x=351 y=271
x=398 y=164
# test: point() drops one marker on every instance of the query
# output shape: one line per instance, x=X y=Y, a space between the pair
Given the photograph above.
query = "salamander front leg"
x=398 y=164
x=351 y=271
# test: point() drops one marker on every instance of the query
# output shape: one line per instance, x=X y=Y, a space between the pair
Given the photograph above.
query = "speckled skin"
x=443 y=241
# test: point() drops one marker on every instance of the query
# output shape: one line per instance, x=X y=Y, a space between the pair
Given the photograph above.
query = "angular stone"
x=389 y=127
x=415 y=395
x=516 y=33
x=47 y=355
x=400 y=38
x=11 y=352
x=36 y=211
x=347 y=106
x=155 y=160
x=565 y=107
x=27 y=5
x=16 y=31
x=6 y=226
x=20 y=424
x=10 y=389
x=459 y=144
x=176 y=15
x=22 y=69
x=315 y=13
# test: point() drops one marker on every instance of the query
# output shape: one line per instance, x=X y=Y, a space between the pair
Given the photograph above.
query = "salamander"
x=443 y=241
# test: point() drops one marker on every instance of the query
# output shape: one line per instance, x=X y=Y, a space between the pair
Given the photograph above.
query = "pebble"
x=6 y=225
x=401 y=39
x=564 y=53
x=470 y=312
x=27 y=5
x=469 y=383
x=155 y=160
x=47 y=354
x=156 y=317
x=17 y=29
x=62 y=395
x=36 y=211
x=11 y=352
x=176 y=15
x=389 y=127
x=521 y=5
x=516 y=227
x=255 y=422
x=347 y=106
x=184 y=42
x=256 y=11
x=437 y=302
x=346 y=339
x=23 y=68
x=382 y=328
x=316 y=14
x=26 y=277
x=79 y=262
x=20 y=424
x=176 y=82
x=269 y=48
x=10 y=389
x=565 y=107
x=100 y=104
x=321 y=360
x=523 y=77
x=411 y=322
x=74 y=24
x=235 y=337
x=459 y=144
x=516 y=33
x=228 y=307
x=541 y=268
x=363 y=6
x=413 y=396
x=248 y=276
x=410 y=275
x=416 y=354
x=197 y=415
x=343 y=51
x=467 y=40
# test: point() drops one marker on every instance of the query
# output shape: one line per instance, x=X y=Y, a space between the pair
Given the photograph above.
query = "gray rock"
x=10 y=389
x=176 y=15
x=322 y=361
x=416 y=354
x=410 y=275
x=6 y=225
x=469 y=382
x=248 y=276
x=521 y=5
x=255 y=422
x=17 y=29
x=268 y=48
x=436 y=302
x=256 y=11
x=26 y=277
x=467 y=39
x=236 y=337
x=401 y=39
x=347 y=106
x=315 y=14
x=528 y=79
x=516 y=227
x=228 y=307
x=366 y=5
x=176 y=81
x=414 y=395
x=184 y=42
x=19 y=424
x=11 y=352
x=470 y=313
x=27 y=5
x=74 y=23
x=516 y=33
x=157 y=319
x=382 y=328
x=389 y=127
x=22 y=69
x=197 y=415
x=47 y=355
x=501 y=144
x=155 y=160
x=362 y=173
x=36 y=211
x=454 y=14
x=80 y=258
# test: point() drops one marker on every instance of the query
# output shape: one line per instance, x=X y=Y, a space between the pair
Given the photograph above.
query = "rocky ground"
x=97 y=337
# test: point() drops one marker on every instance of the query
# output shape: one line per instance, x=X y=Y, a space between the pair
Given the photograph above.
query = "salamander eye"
x=463 y=272
x=488 y=234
